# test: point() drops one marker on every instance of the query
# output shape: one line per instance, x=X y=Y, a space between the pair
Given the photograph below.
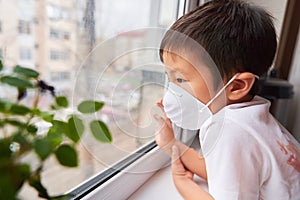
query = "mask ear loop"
x=218 y=94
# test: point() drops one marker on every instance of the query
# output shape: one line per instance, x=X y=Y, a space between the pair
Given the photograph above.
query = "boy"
x=238 y=135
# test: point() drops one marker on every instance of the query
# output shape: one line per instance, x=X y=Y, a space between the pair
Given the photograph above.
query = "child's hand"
x=164 y=136
x=183 y=179
x=179 y=172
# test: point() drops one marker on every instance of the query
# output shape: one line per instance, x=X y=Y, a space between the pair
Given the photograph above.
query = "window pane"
x=87 y=49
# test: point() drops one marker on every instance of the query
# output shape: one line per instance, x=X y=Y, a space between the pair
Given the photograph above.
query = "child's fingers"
x=160 y=105
x=162 y=121
x=158 y=118
x=159 y=102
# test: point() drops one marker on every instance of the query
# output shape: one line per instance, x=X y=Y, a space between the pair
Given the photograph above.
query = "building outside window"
x=56 y=12
x=60 y=76
x=66 y=35
x=1 y=53
x=0 y=26
x=25 y=53
x=119 y=80
x=56 y=55
x=59 y=34
x=54 y=34
x=24 y=27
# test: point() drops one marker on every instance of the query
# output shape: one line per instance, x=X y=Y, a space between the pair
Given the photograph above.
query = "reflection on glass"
x=87 y=50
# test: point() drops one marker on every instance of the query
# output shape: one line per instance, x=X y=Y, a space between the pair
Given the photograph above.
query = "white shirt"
x=243 y=160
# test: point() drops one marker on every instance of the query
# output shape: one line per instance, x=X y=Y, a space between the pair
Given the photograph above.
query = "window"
x=1 y=53
x=60 y=76
x=24 y=27
x=0 y=26
x=66 y=35
x=122 y=72
x=57 y=12
x=58 y=55
x=25 y=53
x=58 y=34
x=54 y=34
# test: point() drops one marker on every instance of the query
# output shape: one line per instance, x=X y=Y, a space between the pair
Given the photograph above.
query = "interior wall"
x=276 y=8
x=294 y=78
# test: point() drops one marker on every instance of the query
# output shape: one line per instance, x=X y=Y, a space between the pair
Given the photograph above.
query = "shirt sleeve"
x=233 y=163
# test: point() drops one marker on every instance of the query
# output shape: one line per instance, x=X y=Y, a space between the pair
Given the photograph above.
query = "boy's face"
x=198 y=81
x=184 y=74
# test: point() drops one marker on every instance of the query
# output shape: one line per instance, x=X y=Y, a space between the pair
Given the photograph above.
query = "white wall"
x=276 y=8
x=294 y=78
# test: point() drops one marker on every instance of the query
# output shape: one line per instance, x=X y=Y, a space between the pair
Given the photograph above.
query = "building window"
x=24 y=27
x=54 y=34
x=58 y=34
x=56 y=12
x=60 y=76
x=0 y=26
x=25 y=53
x=1 y=53
x=66 y=35
x=58 y=55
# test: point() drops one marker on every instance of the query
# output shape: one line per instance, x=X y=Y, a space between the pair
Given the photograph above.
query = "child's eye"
x=180 y=80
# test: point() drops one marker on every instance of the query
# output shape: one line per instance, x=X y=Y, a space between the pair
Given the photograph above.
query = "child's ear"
x=241 y=86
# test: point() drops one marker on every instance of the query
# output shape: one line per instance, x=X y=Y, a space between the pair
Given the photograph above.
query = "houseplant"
x=20 y=137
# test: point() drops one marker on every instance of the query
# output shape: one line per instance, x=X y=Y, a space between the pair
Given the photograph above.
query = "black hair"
x=238 y=36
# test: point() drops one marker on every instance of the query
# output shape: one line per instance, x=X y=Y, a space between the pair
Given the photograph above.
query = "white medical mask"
x=184 y=110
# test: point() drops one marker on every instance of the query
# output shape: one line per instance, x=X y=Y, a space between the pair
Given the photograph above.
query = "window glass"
x=24 y=27
x=92 y=49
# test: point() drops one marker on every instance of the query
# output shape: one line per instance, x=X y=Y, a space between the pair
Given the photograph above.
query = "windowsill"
x=146 y=178
x=160 y=186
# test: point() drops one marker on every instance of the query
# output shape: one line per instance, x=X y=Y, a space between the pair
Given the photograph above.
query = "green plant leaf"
x=54 y=137
x=62 y=101
x=60 y=126
x=16 y=82
x=43 y=148
x=1 y=65
x=19 y=109
x=32 y=128
x=26 y=71
x=8 y=189
x=5 y=105
x=35 y=182
x=100 y=131
x=14 y=123
x=12 y=177
x=48 y=117
x=75 y=128
x=90 y=106
x=66 y=156
x=4 y=149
